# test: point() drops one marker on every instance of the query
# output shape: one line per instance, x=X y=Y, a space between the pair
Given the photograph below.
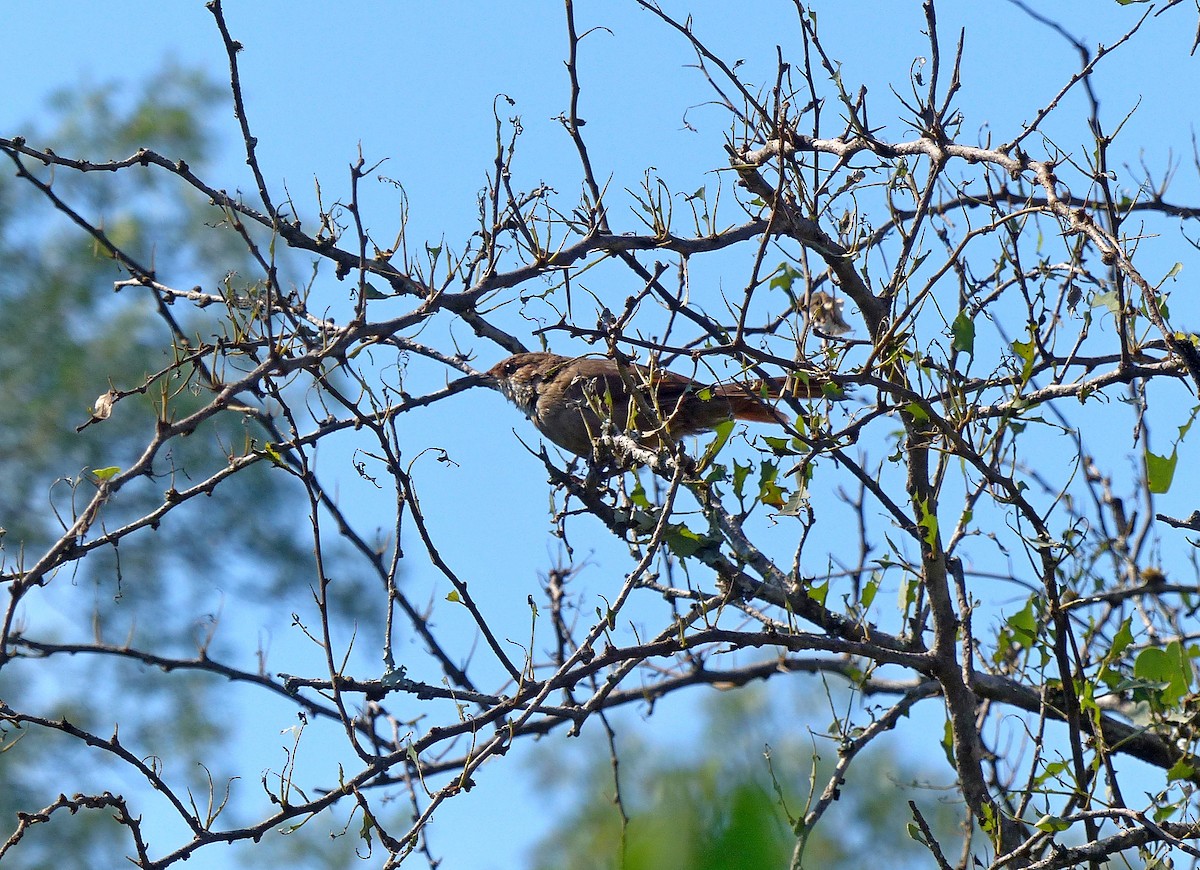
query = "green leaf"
x=1053 y=769
x=107 y=473
x=830 y=390
x=394 y=677
x=785 y=276
x=928 y=522
x=1122 y=639
x=1153 y=666
x=1180 y=770
x=780 y=446
x=1107 y=300
x=796 y=504
x=963 y=330
x=1167 y=668
x=1051 y=824
x=683 y=542
x=868 y=593
x=717 y=474
x=948 y=742
x=769 y=491
x=1026 y=351
x=1160 y=471
x=454 y=597
x=1183 y=430
x=1162 y=814
x=740 y=473
x=1023 y=625
x=723 y=430
x=638 y=496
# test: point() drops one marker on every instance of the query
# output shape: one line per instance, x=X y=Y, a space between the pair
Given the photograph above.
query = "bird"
x=568 y=398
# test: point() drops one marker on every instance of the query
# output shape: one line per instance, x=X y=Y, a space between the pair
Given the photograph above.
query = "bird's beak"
x=479 y=379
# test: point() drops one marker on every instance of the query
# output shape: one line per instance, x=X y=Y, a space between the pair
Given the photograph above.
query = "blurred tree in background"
x=64 y=336
x=733 y=800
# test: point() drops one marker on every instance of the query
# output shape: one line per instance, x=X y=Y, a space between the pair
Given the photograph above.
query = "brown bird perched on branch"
x=567 y=398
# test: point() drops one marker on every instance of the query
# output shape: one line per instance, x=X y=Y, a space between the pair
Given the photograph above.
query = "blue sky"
x=415 y=83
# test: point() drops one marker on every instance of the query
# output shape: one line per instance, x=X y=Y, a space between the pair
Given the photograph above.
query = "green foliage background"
x=729 y=801
x=63 y=331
